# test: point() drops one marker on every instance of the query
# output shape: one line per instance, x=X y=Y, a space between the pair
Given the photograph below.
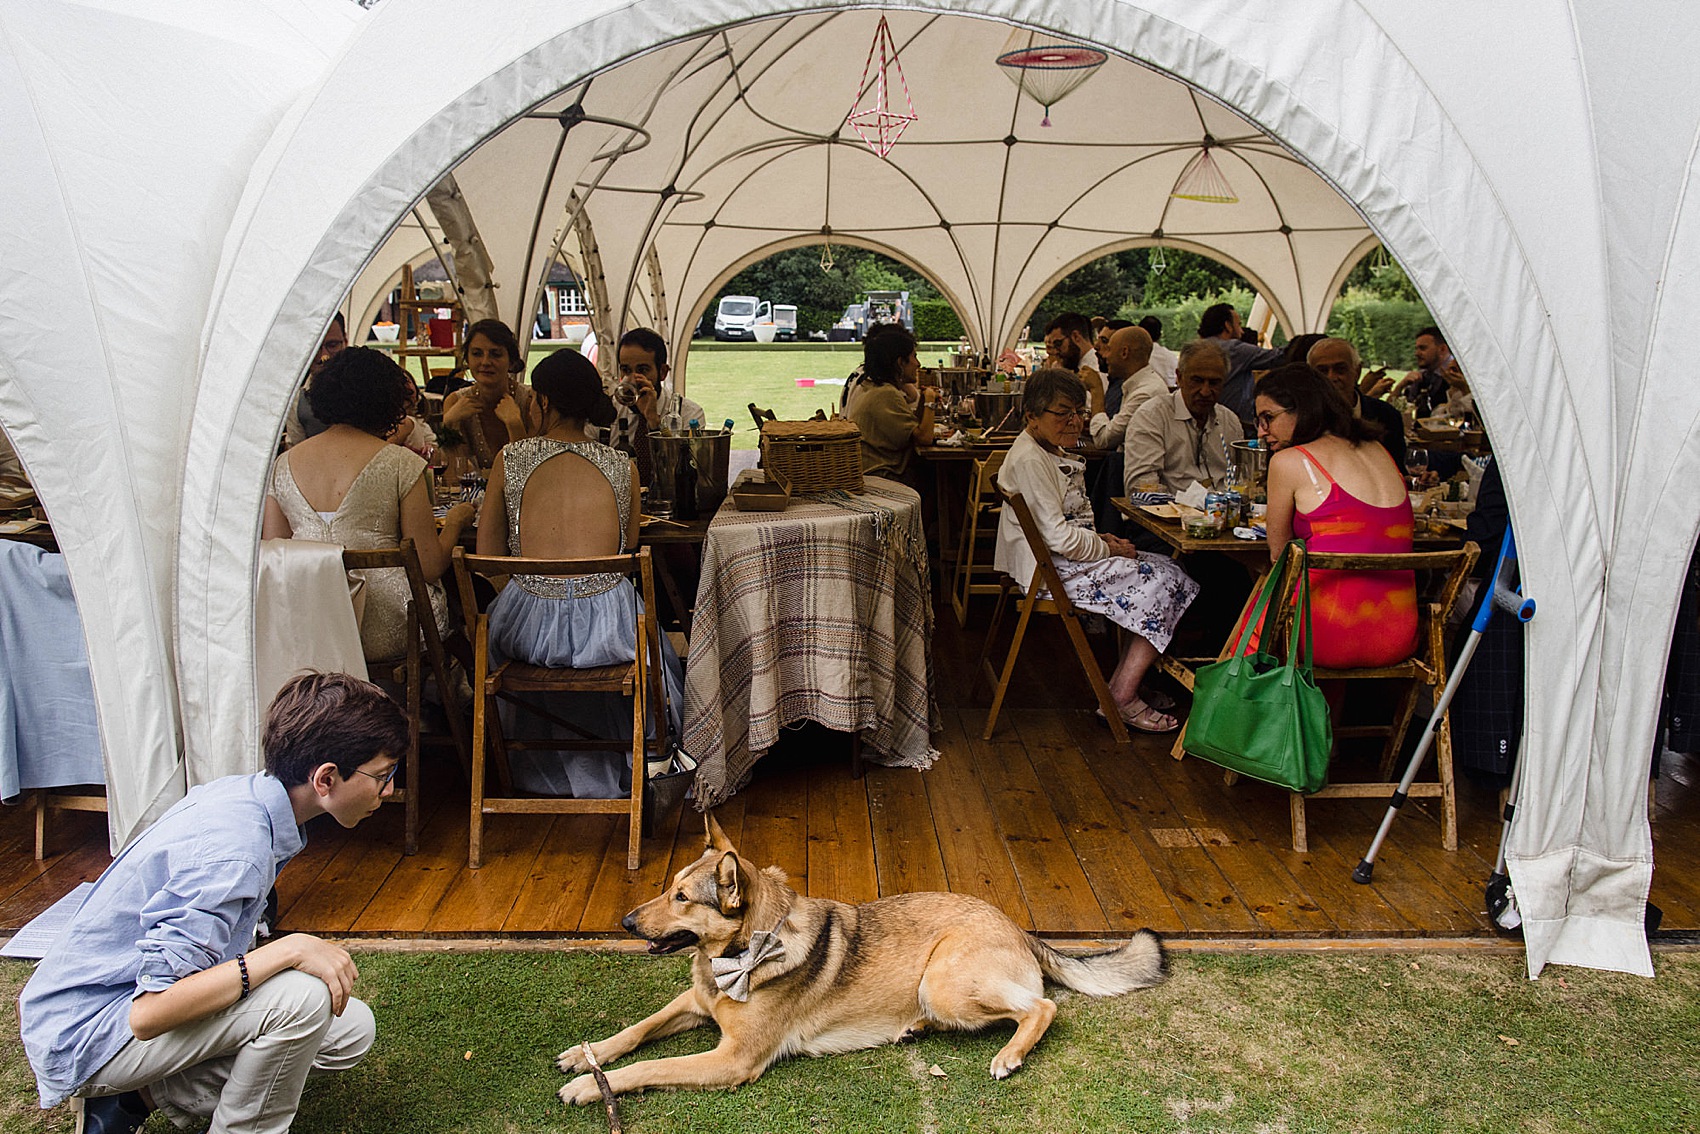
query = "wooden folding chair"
x=422 y=635
x=1441 y=576
x=639 y=679
x=982 y=504
x=1045 y=579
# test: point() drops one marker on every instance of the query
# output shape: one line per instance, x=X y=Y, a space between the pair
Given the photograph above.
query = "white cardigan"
x=1041 y=478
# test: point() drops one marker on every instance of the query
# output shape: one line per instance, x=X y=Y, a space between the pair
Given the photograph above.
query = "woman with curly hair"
x=497 y=407
x=349 y=486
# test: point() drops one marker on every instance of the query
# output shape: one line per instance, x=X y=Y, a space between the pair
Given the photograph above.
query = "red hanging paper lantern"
x=879 y=125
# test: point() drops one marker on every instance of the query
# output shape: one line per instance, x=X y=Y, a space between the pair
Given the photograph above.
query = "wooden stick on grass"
x=609 y=1102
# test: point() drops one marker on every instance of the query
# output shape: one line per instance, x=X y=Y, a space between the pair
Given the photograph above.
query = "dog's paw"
x=582 y=1091
x=572 y=1060
x=1004 y=1065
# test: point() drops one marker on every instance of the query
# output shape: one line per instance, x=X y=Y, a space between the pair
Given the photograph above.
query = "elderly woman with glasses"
x=1142 y=593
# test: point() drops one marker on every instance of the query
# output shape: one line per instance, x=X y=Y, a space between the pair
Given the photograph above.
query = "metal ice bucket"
x=711 y=453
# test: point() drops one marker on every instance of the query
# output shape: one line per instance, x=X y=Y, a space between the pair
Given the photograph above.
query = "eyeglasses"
x=1265 y=418
x=383 y=780
x=1068 y=414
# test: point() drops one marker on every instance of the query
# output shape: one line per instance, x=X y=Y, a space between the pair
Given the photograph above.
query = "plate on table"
x=1174 y=512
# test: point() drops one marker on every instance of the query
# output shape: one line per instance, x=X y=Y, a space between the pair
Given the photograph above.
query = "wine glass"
x=1416 y=464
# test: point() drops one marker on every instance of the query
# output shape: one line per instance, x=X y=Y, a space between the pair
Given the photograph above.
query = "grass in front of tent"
x=724 y=378
x=1232 y=1043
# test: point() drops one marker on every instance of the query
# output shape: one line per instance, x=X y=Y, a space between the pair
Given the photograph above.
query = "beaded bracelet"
x=242 y=966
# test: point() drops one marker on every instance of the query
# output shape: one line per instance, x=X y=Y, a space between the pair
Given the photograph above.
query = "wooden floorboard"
x=1051 y=821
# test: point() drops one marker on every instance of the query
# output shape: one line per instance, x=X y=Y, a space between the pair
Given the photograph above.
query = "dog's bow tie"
x=732 y=974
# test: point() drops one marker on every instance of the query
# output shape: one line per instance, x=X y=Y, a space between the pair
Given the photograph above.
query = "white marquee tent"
x=191 y=188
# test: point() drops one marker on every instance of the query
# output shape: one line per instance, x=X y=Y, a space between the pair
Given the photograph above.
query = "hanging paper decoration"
x=826 y=260
x=879 y=125
x=1047 y=69
x=1158 y=263
x=1202 y=179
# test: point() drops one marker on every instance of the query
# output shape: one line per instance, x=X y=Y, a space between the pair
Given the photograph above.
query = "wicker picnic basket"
x=814 y=456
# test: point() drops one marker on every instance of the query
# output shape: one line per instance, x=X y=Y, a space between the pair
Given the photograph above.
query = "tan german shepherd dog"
x=782 y=974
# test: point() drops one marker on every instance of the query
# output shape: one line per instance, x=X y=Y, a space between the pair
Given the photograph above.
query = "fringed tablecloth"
x=821 y=613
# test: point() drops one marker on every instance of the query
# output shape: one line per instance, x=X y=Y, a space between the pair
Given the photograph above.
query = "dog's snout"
x=629 y=922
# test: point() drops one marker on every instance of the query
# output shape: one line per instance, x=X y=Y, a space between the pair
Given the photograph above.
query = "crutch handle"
x=1512 y=603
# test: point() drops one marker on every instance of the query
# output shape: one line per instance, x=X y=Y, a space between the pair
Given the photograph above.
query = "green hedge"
x=1383 y=330
x=934 y=319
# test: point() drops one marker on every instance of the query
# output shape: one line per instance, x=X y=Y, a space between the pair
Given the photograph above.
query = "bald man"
x=1127 y=360
x=1337 y=360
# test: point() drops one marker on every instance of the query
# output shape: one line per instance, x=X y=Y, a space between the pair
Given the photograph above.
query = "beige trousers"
x=243 y=1068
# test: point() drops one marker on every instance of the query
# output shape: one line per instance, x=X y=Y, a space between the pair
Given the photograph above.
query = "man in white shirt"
x=1163 y=359
x=1126 y=360
x=1184 y=437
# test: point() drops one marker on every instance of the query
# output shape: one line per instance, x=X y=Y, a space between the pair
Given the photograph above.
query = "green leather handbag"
x=1259 y=717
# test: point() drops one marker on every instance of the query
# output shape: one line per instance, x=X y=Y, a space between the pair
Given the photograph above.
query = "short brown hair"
x=319 y=718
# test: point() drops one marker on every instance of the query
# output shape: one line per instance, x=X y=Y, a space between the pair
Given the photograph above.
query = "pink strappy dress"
x=1362 y=618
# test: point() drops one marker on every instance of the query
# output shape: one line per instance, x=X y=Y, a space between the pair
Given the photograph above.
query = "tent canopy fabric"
x=177 y=246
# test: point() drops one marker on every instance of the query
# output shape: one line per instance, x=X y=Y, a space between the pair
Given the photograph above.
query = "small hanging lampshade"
x=879 y=125
x=1047 y=68
x=1202 y=179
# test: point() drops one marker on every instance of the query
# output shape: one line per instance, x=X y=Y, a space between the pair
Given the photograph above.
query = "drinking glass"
x=1416 y=464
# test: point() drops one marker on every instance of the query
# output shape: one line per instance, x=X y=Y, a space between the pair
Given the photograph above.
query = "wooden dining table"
x=1253 y=554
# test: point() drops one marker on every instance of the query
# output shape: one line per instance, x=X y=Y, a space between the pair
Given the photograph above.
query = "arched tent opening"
x=467 y=102
x=1568 y=331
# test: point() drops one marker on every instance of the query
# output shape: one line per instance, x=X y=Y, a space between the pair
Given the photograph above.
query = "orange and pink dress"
x=1362 y=618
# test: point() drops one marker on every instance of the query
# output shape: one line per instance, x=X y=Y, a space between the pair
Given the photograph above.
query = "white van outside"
x=737 y=316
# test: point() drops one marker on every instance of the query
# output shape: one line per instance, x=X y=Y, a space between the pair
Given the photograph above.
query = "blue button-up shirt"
x=185 y=896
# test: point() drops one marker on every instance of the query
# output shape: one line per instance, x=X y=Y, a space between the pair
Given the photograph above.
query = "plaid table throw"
x=820 y=613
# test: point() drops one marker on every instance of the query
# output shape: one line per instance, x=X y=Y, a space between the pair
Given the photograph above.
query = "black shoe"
x=110 y=1114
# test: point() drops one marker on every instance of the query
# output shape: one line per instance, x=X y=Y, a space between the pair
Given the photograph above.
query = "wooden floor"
x=1051 y=821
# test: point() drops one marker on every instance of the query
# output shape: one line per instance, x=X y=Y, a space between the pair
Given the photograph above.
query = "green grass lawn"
x=1260 y=1044
x=724 y=378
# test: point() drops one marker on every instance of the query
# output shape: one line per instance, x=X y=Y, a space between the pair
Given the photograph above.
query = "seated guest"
x=497 y=407
x=1068 y=343
x=579 y=500
x=1144 y=594
x=414 y=432
x=1425 y=387
x=855 y=378
x=1163 y=360
x=299 y=423
x=1331 y=485
x=1102 y=331
x=348 y=486
x=154 y=996
x=1126 y=359
x=1183 y=438
x=1337 y=361
x=884 y=406
x=644 y=369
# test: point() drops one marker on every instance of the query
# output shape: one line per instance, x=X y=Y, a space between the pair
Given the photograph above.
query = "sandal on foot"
x=1148 y=719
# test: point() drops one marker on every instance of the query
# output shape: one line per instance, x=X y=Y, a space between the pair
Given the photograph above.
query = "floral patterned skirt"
x=1146 y=595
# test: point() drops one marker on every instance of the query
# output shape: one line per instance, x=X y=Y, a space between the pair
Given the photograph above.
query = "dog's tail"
x=1140 y=963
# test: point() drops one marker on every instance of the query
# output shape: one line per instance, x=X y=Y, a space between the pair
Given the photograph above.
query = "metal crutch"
x=1503 y=596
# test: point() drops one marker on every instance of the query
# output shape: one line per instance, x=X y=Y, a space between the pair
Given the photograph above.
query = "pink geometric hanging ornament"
x=879 y=125
x=1047 y=68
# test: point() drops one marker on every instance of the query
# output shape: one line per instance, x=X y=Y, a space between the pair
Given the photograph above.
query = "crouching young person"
x=154 y=997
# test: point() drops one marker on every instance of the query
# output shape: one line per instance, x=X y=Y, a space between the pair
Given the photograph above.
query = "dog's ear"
x=729 y=883
x=714 y=838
